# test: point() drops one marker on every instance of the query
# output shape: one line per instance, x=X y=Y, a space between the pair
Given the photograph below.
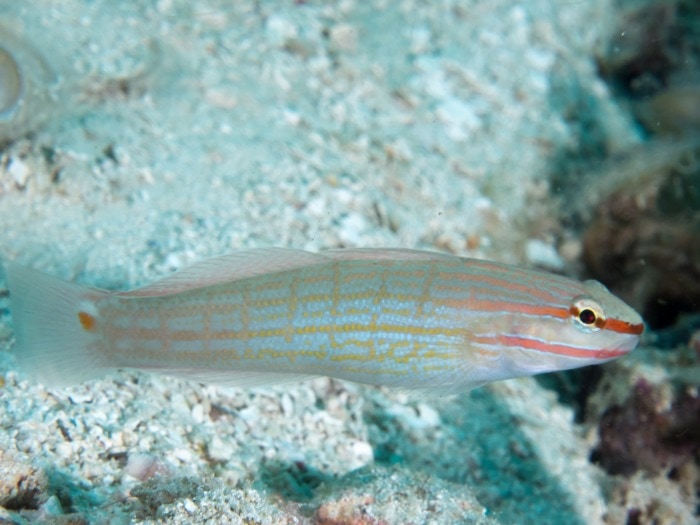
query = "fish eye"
x=587 y=314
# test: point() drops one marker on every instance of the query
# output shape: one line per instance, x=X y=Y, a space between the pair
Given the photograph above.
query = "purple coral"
x=640 y=435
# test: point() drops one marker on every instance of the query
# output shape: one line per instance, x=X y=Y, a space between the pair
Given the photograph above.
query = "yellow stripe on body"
x=271 y=310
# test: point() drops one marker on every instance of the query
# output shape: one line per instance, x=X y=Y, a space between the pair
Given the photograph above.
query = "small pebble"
x=141 y=466
x=19 y=171
x=344 y=37
x=540 y=253
x=52 y=507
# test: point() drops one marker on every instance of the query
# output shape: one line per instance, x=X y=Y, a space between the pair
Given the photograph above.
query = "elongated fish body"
x=403 y=318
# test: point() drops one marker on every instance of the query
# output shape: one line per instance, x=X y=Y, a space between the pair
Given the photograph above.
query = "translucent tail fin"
x=56 y=327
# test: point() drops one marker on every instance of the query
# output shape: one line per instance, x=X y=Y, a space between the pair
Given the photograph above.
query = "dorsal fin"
x=379 y=254
x=244 y=264
x=227 y=268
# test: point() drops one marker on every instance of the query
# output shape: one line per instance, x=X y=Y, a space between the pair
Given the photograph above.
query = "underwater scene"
x=350 y=262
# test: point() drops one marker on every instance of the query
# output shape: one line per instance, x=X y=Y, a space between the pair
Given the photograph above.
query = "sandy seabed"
x=152 y=134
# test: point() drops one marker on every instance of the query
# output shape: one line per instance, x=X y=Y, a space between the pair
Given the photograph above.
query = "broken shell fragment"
x=28 y=87
x=10 y=83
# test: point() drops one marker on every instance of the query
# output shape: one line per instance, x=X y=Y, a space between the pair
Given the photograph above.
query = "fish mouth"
x=623 y=348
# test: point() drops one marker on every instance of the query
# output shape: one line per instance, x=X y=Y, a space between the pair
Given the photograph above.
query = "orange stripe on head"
x=623 y=327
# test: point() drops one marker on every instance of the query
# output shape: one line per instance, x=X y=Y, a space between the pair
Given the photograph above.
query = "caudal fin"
x=56 y=328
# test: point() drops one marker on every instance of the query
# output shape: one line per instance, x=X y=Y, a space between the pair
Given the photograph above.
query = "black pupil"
x=587 y=316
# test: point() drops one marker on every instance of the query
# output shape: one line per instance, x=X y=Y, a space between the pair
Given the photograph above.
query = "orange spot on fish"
x=87 y=321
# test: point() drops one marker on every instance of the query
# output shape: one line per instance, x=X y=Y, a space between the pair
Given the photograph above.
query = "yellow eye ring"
x=587 y=314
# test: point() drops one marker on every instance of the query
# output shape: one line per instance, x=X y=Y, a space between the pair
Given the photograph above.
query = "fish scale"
x=367 y=322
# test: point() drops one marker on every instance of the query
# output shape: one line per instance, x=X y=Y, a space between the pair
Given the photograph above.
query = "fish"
x=401 y=318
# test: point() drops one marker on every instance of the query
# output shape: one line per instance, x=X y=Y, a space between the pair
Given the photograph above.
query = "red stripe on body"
x=505 y=306
x=502 y=284
x=550 y=348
